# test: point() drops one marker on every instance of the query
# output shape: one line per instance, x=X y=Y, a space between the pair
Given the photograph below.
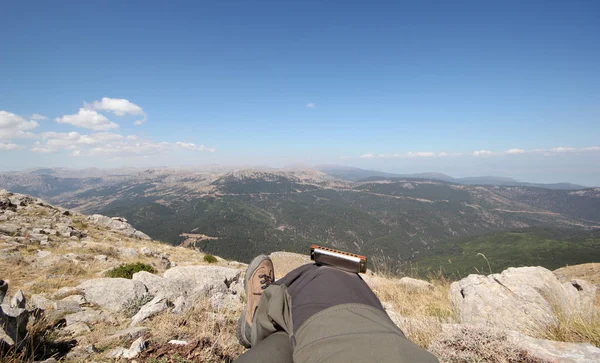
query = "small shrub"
x=127 y=270
x=210 y=258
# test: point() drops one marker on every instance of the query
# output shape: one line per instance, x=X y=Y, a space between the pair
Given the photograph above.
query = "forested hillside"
x=240 y=214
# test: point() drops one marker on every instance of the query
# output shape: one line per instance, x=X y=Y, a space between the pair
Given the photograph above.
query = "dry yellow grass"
x=589 y=272
x=202 y=323
x=424 y=310
x=575 y=329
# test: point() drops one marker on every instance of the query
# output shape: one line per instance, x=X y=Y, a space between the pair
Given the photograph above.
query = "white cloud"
x=38 y=117
x=482 y=153
x=118 y=106
x=311 y=105
x=420 y=154
x=39 y=148
x=107 y=144
x=515 y=151
x=139 y=148
x=13 y=126
x=194 y=147
x=8 y=147
x=89 y=119
x=56 y=141
x=444 y=154
x=561 y=149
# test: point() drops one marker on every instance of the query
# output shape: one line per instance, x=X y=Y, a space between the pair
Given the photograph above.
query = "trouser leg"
x=275 y=348
x=303 y=292
x=316 y=288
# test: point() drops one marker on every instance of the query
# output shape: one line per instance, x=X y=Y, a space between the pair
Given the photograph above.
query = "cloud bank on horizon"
x=103 y=141
x=428 y=154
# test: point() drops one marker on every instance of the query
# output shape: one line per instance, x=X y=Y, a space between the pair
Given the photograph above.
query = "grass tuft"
x=211 y=334
x=575 y=329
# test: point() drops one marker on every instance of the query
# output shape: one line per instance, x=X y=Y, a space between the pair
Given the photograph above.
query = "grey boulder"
x=553 y=351
x=185 y=284
x=13 y=319
x=523 y=299
x=117 y=224
x=112 y=294
x=155 y=306
x=154 y=283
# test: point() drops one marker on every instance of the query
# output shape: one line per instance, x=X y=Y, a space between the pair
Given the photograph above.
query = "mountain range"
x=356 y=174
x=403 y=219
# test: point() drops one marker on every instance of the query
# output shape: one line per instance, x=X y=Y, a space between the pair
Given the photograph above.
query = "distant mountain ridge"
x=251 y=211
x=357 y=174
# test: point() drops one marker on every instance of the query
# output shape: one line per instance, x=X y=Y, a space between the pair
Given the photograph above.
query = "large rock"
x=485 y=301
x=525 y=299
x=66 y=291
x=199 y=280
x=67 y=306
x=157 y=305
x=225 y=301
x=88 y=316
x=112 y=293
x=118 y=225
x=540 y=279
x=13 y=319
x=471 y=343
x=41 y=302
x=154 y=283
x=18 y=300
x=10 y=229
x=552 y=351
x=580 y=298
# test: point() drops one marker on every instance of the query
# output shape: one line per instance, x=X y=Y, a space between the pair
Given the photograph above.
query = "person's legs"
x=305 y=291
x=315 y=288
x=275 y=348
x=320 y=313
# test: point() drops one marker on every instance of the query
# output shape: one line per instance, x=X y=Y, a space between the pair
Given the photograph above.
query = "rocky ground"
x=58 y=303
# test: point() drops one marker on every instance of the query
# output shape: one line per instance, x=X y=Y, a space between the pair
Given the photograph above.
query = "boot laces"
x=266 y=281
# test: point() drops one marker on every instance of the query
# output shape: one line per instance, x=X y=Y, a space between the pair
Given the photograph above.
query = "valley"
x=405 y=220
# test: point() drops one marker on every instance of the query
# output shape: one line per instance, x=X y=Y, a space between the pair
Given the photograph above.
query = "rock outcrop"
x=476 y=343
x=117 y=224
x=112 y=294
x=180 y=287
x=13 y=319
x=526 y=299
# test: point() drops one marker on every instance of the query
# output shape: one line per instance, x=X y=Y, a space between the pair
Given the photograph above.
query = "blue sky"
x=434 y=86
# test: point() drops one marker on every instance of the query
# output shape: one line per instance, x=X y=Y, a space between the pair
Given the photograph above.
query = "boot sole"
x=240 y=330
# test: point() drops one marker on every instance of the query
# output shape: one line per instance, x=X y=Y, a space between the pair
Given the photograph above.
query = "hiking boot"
x=259 y=275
